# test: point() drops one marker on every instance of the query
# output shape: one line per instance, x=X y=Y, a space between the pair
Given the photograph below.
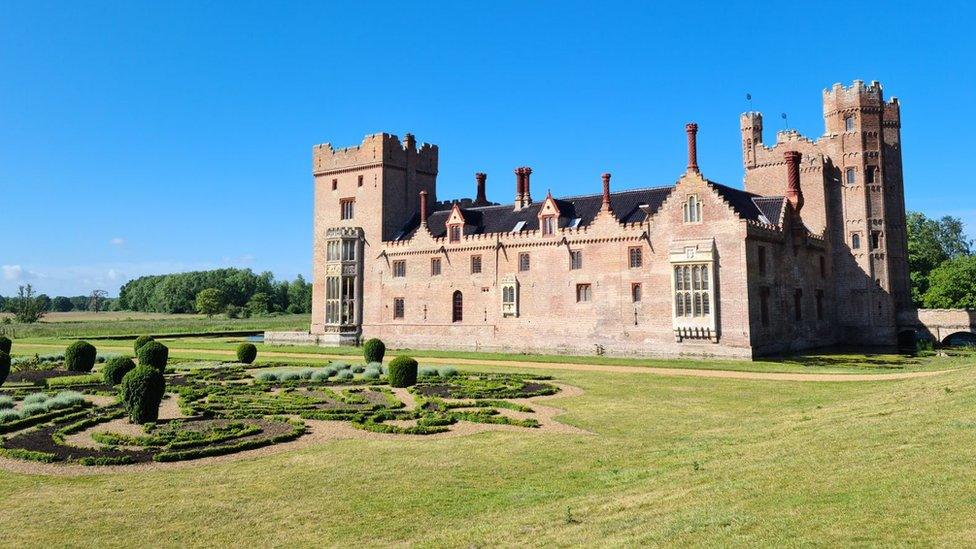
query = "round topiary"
x=140 y=341
x=373 y=350
x=246 y=353
x=116 y=368
x=80 y=357
x=4 y=366
x=142 y=391
x=6 y=344
x=154 y=354
x=403 y=372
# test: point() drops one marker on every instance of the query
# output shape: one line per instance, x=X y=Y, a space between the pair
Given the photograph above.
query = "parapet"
x=856 y=95
x=375 y=149
x=751 y=119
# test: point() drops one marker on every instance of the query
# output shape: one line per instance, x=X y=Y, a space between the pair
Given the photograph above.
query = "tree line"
x=941 y=263
x=231 y=291
x=58 y=304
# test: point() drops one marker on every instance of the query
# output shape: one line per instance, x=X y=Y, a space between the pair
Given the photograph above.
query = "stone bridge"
x=937 y=325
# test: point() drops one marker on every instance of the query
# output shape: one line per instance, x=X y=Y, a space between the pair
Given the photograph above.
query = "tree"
x=259 y=304
x=61 y=304
x=952 y=285
x=932 y=242
x=44 y=302
x=300 y=296
x=27 y=309
x=210 y=302
x=96 y=300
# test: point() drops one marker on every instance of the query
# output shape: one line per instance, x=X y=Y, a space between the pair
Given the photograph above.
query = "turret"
x=751 y=126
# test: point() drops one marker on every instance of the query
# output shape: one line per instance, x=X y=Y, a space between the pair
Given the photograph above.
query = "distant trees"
x=177 y=293
x=27 y=307
x=210 y=301
x=61 y=304
x=938 y=251
x=952 y=284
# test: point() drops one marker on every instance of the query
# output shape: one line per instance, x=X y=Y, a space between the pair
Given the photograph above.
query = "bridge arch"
x=959 y=339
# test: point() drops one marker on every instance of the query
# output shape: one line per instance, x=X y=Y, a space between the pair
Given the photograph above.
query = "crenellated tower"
x=851 y=177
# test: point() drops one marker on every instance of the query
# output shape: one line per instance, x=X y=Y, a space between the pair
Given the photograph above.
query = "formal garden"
x=84 y=408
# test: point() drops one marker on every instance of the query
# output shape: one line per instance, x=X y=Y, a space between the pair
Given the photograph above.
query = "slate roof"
x=626 y=205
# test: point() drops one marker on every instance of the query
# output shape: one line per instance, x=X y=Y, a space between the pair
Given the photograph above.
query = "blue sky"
x=150 y=137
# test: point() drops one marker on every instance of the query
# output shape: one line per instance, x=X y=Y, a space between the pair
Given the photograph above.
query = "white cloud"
x=117 y=241
x=113 y=274
x=12 y=272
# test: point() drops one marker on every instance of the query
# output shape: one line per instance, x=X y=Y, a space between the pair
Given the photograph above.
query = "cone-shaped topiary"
x=403 y=372
x=141 y=392
x=4 y=366
x=80 y=357
x=246 y=353
x=154 y=354
x=116 y=369
x=6 y=344
x=140 y=341
x=373 y=350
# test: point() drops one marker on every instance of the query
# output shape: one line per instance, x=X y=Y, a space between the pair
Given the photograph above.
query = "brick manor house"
x=811 y=253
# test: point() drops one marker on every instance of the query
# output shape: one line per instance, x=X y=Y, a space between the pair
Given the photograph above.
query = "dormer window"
x=692 y=209
x=548 y=225
x=455 y=233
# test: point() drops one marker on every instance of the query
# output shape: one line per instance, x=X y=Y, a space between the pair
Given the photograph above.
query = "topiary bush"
x=373 y=350
x=142 y=391
x=246 y=353
x=154 y=354
x=140 y=341
x=403 y=372
x=4 y=366
x=80 y=356
x=116 y=368
x=6 y=344
x=427 y=371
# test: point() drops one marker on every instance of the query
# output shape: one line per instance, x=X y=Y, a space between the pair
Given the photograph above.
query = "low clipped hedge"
x=4 y=366
x=154 y=354
x=374 y=350
x=246 y=353
x=80 y=356
x=116 y=368
x=142 y=391
x=140 y=341
x=6 y=344
x=402 y=372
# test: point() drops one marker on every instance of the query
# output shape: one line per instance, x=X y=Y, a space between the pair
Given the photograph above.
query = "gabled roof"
x=626 y=206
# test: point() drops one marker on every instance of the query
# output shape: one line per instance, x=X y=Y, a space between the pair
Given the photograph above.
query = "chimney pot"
x=692 y=130
x=480 y=199
x=423 y=207
x=525 y=185
x=606 y=189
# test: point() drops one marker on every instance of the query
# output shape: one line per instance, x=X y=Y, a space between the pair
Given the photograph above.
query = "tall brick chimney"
x=794 y=194
x=692 y=130
x=423 y=207
x=519 y=187
x=606 y=191
x=480 y=199
x=525 y=185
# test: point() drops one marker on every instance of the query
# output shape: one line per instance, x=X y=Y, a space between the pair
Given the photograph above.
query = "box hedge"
x=373 y=350
x=154 y=354
x=6 y=344
x=116 y=369
x=142 y=391
x=4 y=366
x=246 y=353
x=403 y=372
x=140 y=341
x=80 y=356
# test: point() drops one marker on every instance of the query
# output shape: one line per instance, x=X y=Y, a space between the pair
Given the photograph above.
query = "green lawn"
x=673 y=460
x=65 y=325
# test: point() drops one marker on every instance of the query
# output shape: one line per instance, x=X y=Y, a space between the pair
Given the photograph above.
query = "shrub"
x=154 y=354
x=373 y=350
x=289 y=376
x=447 y=371
x=64 y=399
x=403 y=372
x=36 y=398
x=116 y=369
x=140 y=341
x=7 y=416
x=71 y=381
x=6 y=344
x=371 y=374
x=80 y=356
x=307 y=374
x=322 y=375
x=6 y=402
x=142 y=391
x=4 y=366
x=246 y=353
x=427 y=371
x=267 y=376
x=344 y=375
x=33 y=409
x=358 y=369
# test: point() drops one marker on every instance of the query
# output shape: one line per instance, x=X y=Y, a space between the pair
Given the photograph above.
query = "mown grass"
x=116 y=324
x=671 y=461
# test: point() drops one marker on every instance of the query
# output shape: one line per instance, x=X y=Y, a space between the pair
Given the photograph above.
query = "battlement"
x=751 y=119
x=375 y=149
x=856 y=95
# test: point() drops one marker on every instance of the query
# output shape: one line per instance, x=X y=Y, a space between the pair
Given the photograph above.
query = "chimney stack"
x=606 y=191
x=519 y=186
x=794 y=194
x=423 y=207
x=692 y=130
x=525 y=185
x=480 y=199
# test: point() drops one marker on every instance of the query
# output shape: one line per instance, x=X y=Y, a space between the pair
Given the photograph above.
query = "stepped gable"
x=503 y=218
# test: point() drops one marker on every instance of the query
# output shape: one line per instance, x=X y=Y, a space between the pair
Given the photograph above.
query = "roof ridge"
x=576 y=196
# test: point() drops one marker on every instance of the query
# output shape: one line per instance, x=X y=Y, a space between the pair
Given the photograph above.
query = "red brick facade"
x=696 y=268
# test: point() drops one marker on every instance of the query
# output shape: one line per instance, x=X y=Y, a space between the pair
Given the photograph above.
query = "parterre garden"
x=84 y=408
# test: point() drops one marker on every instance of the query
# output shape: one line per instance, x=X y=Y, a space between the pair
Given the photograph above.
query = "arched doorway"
x=907 y=342
x=457 y=307
x=960 y=339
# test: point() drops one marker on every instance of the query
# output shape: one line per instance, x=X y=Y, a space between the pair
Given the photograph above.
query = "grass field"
x=671 y=461
x=65 y=325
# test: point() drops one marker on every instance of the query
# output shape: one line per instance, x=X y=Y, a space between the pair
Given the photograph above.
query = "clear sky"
x=150 y=137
